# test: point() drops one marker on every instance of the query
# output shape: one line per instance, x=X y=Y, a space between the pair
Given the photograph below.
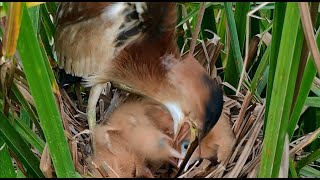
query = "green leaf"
x=28 y=134
x=6 y=166
x=20 y=174
x=193 y=13
x=19 y=147
x=310 y=172
x=282 y=92
x=313 y=101
x=41 y=90
x=315 y=89
x=234 y=62
x=261 y=69
x=45 y=19
x=222 y=26
x=308 y=160
x=306 y=82
x=292 y=169
x=34 y=15
x=263 y=82
x=240 y=16
x=28 y=108
x=279 y=12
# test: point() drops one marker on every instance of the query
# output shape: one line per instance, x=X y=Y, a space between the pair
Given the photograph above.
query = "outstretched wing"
x=89 y=34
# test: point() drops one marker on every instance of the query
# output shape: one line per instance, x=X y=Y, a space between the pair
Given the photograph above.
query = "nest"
x=244 y=112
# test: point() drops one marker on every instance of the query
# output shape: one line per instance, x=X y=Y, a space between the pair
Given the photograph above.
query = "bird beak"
x=183 y=165
x=191 y=161
x=174 y=153
x=183 y=131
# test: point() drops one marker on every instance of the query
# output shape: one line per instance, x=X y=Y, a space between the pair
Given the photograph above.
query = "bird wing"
x=74 y=12
x=89 y=35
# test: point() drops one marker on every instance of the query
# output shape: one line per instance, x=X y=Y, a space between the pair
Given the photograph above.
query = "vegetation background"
x=269 y=56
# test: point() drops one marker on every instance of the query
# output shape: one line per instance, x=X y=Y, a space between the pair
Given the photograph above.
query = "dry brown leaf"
x=45 y=162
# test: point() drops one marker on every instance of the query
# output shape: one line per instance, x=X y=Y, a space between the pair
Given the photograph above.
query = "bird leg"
x=94 y=95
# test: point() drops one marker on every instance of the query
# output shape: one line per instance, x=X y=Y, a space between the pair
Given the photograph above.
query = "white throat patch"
x=176 y=113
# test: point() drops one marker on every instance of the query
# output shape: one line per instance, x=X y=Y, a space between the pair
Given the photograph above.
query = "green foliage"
x=272 y=74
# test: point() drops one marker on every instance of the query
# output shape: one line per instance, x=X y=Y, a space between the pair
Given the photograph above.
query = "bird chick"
x=216 y=146
x=123 y=162
x=130 y=140
x=133 y=46
x=135 y=126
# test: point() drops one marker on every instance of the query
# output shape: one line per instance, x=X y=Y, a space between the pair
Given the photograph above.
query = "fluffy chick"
x=130 y=139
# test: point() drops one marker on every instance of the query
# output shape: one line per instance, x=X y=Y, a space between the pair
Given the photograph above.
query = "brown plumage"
x=88 y=34
x=133 y=46
x=131 y=139
x=124 y=162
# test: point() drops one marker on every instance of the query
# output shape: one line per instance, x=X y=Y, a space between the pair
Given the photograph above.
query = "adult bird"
x=133 y=46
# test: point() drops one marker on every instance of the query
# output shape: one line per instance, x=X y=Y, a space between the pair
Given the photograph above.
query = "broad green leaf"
x=279 y=12
x=34 y=15
x=41 y=90
x=282 y=93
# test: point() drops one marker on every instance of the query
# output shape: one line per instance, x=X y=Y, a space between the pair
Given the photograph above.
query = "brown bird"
x=133 y=46
x=216 y=146
x=130 y=139
x=123 y=161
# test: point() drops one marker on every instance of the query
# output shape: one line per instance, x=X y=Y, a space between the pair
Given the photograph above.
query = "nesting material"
x=227 y=154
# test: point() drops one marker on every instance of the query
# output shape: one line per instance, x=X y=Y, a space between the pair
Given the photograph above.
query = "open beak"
x=187 y=165
x=184 y=164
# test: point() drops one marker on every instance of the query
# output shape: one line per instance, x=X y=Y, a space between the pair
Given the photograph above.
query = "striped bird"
x=133 y=46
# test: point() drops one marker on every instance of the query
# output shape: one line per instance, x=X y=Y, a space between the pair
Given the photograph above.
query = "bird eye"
x=185 y=145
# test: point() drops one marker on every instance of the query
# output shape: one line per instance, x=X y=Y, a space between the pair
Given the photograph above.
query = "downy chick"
x=130 y=139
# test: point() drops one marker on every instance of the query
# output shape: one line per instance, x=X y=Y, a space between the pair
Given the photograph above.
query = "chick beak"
x=174 y=153
x=192 y=147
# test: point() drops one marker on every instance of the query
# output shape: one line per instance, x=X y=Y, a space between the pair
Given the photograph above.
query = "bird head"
x=198 y=99
x=216 y=146
x=133 y=123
